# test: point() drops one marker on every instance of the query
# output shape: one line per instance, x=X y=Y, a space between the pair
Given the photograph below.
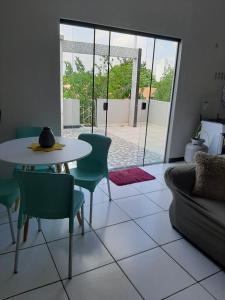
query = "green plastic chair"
x=9 y=193
x=48 y=196
x=93 y=168
x=24 y=132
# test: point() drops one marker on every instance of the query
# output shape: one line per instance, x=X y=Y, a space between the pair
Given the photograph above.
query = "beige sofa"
x=202 y=221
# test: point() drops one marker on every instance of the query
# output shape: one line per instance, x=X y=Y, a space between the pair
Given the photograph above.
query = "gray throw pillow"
x=210 y=176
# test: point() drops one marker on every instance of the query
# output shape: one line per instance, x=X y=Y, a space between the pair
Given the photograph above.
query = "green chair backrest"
x=9 y=191
x=23 y=132
x=97 y=160
x=45 y=195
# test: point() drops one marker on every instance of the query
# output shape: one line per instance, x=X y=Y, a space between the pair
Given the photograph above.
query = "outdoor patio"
x=128 y=143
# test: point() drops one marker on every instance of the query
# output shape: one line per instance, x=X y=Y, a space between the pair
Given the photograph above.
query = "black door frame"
x=133 y=32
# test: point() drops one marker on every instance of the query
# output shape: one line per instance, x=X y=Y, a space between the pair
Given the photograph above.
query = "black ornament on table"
x=46 y=138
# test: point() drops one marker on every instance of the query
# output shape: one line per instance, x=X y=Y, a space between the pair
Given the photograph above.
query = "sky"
x=165 y=51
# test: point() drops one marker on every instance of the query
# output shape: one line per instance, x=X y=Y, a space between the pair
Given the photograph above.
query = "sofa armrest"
x=181 y=178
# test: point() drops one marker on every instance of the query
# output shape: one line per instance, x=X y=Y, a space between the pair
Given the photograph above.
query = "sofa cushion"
x=210 y=176
x=213 y=210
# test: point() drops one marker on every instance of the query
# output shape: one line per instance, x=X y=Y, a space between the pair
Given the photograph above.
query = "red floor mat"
x=128 y=176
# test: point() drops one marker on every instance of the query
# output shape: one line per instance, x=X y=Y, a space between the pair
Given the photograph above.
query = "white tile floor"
x=132 y=253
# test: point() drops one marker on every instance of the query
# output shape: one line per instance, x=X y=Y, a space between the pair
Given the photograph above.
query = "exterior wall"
x=71 y=112
x=159 y=112
x=118 y=112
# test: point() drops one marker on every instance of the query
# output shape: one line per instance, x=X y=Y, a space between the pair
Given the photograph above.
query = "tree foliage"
x=77 y=84
x=164 y=86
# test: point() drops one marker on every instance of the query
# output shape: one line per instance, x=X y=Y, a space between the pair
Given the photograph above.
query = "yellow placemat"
x=37 y=147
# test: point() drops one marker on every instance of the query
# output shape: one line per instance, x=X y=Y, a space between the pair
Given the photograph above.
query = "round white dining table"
x=16 y=151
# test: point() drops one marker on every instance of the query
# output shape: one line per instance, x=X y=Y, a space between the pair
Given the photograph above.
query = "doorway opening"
x=120 y=85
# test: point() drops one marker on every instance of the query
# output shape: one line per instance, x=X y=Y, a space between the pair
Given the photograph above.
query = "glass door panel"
x=164 y=65
x=77 y=79
x=101 y=65
x=119 y=85
x=122 y=122
x=146 y=47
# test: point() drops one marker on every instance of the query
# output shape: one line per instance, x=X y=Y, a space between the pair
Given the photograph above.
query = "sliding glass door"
x=119 y=85
x=159 y=104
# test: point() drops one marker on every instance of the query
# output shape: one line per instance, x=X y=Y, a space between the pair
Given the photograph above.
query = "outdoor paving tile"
x=125 y=149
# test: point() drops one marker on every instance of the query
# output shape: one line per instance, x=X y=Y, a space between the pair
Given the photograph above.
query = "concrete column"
x=135 y=90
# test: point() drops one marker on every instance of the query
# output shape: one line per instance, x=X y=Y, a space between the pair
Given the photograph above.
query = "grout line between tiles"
x=81 y=273
x=42 y=243
x=173 y=294
x=196 y=281
x=137 y=217
x=138 y=191
x=56 y=267
x=30 y=290
x=147 y=198
x=200 y=283
x=21 y=249
x=161 y=246
x=186 y=270
x=141 y=252
x=93 y=269
x=115 y=261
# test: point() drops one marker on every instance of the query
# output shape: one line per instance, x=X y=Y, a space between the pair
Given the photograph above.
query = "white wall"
x=159 y=112
x=30 y=56
x=119 y=110
x=71 y=112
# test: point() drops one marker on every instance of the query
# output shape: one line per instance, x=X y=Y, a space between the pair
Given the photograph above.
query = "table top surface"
x=17 y=152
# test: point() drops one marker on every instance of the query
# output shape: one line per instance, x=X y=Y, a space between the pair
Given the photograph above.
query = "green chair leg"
x=91 y=207
x=11 y=226
x=109 y=190
x=82 y=216
x=39 y=225
x=17 y=203
x=17 y=251
x=70 y=256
